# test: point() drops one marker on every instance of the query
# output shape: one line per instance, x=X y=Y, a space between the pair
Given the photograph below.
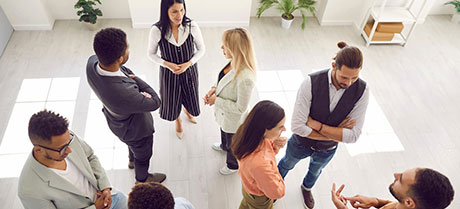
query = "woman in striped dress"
x=177 y=37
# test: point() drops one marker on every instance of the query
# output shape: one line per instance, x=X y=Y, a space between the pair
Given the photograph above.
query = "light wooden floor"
x=414 y=119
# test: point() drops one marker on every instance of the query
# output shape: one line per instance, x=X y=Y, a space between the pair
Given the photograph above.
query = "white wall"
x=339 y=12
x=220 y=12
x=439 y=8
x=144 y=13
x=27 y=14
x=40 y=14
x=63 y=9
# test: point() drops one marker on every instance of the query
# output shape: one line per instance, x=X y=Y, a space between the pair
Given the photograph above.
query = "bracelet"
x=320 y=128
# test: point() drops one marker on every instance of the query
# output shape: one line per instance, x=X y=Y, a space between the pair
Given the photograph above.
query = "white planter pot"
x=286 y=24
x=455 y=18
x=92 y=27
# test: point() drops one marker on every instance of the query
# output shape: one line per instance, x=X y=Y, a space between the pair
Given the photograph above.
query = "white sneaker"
x=216 y=146
x=227 y=171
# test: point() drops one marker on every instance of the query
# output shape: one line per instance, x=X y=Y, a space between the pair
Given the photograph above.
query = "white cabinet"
x=387 y=14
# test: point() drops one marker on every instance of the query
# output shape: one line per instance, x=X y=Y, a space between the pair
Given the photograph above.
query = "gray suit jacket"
x=40 y=187
x=233 y=97
x=127 y=111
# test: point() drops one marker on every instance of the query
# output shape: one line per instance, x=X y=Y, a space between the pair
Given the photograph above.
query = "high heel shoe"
x=192 y=120
x=179 y=134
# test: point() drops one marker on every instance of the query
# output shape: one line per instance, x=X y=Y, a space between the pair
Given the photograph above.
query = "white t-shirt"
x=181 y=203
x=76 y=177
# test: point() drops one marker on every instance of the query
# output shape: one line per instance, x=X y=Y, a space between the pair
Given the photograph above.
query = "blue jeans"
x=296 y=151
x=119 y=201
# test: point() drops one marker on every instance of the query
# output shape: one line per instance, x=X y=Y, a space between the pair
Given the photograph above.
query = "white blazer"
x=233 y=98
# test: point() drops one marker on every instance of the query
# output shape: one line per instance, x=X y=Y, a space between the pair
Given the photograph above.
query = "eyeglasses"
x=62 y=150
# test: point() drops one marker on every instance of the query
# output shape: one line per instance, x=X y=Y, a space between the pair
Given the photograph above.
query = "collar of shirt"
x=329 y=77
x=182 y=35
x=102 y=72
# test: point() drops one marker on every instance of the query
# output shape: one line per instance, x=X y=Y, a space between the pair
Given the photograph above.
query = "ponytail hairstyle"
x=238 y=41
x=349 y=56
x=164 y=23
x=264 y=116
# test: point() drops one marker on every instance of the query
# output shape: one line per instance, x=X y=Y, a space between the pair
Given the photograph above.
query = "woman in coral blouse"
x=255 y=145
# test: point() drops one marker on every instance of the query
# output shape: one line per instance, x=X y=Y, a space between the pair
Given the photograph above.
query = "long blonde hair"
x=238 y=41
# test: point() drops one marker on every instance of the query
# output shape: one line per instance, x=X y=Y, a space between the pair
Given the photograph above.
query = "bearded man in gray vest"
x=330 y=108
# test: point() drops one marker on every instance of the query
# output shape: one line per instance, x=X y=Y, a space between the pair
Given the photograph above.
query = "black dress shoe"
x=155 y=177
x=308 y=201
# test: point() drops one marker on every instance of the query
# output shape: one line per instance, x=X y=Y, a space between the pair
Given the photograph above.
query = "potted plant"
x=455 y=16
x=287 y=7
x=88 y=14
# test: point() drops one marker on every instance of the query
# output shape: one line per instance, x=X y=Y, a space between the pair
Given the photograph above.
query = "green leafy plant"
x=456 y=5
x=287 y=7
x=88 y=13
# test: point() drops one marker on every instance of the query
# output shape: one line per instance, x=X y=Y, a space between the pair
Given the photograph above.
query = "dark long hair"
x=163 y=24
x=264 y=116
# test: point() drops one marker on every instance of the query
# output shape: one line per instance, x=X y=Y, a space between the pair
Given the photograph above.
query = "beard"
x=341 y=85
x=392 y=191
x=55 y=159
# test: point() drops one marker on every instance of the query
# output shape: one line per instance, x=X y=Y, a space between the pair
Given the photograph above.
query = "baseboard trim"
x=335 y=23
x=33 y=27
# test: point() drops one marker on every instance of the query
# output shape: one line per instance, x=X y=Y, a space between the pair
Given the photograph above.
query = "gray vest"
x=319 y=109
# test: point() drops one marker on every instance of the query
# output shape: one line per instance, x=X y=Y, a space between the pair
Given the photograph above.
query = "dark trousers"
x=226 y=143
x=140 y=152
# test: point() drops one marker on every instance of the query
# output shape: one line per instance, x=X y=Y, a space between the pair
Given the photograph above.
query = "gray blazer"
x=233 y=98
x=126 y=110
x=40 y=187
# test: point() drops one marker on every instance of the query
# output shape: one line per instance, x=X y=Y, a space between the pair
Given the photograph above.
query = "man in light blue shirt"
x=153 y=195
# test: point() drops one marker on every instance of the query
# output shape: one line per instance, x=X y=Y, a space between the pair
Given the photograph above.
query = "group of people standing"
x=330 y=109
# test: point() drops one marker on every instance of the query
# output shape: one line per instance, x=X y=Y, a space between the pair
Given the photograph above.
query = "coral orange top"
x=259 y=173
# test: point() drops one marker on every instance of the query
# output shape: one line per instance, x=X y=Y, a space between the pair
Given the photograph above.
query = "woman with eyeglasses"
x=255 y=145
x=181 y=45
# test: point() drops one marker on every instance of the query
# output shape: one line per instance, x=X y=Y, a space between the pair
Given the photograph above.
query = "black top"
x=222 y=73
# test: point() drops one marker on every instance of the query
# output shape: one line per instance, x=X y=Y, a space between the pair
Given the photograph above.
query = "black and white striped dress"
x=177 y=90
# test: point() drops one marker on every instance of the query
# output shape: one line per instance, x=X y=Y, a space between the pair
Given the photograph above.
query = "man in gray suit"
x=127 y=99
x=62 y=170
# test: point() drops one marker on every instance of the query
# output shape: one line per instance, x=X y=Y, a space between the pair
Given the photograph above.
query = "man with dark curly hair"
x=62 y=171
x=416 y=188
x=155 y=196
x=127 y=100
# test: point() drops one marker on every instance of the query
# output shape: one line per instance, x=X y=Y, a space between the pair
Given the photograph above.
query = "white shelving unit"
x=383 y=14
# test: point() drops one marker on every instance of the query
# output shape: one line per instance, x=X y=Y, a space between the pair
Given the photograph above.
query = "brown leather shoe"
x=155 y=177
x=308 y=201
x=131 y=165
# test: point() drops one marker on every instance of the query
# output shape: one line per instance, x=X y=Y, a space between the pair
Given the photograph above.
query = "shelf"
x=393 y=14
x=397 y=39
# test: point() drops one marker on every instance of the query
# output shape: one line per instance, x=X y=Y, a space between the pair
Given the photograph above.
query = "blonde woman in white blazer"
x=232 y=93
